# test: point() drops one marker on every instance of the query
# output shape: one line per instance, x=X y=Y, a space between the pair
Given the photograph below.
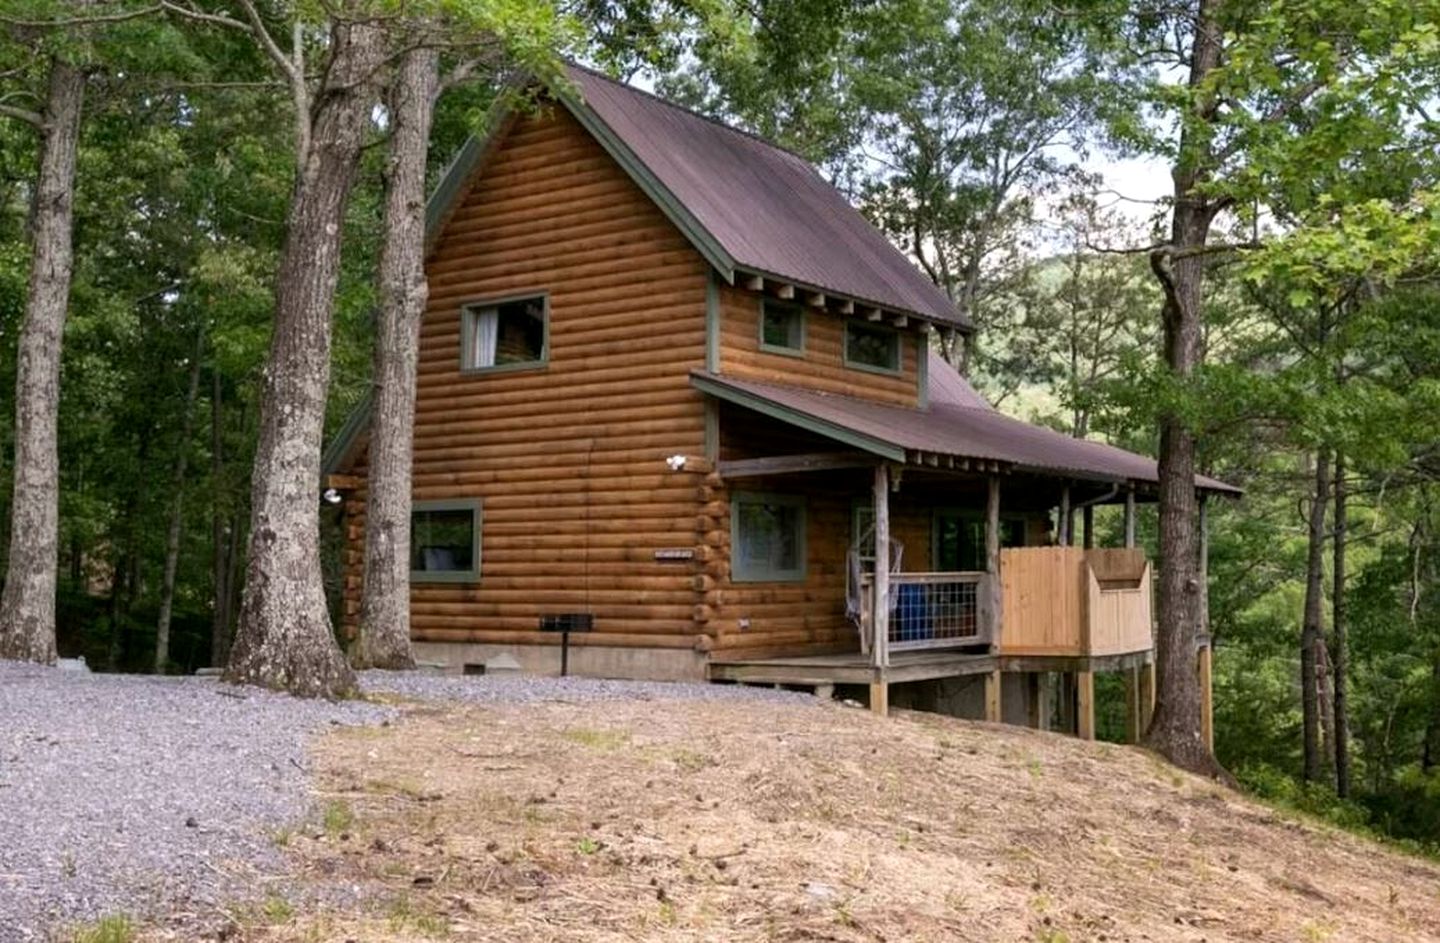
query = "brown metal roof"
x=970 y=432
x=948 y=387
x=767 y=209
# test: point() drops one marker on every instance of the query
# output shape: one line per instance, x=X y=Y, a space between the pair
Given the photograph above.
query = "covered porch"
x=1032 y=595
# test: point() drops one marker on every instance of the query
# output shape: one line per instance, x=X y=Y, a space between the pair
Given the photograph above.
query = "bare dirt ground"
x=756 y=821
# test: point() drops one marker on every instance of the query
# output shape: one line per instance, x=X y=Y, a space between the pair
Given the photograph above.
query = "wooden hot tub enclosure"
x=677 y=396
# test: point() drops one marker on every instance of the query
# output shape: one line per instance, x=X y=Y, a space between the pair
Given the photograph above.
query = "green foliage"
x=116 y=928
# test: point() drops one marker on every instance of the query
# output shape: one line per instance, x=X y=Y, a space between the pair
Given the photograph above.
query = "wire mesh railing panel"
x=933 y=611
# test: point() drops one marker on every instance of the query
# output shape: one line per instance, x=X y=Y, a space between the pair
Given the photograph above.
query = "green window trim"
x=740 y=571
x=793 y=309
x=470 y=309
x=471 y=575
x=875 y=329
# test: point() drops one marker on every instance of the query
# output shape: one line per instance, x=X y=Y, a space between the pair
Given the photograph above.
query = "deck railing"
x=934 y=610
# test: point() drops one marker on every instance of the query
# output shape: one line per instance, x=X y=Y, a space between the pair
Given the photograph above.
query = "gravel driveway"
x=123 y=794
x=120 y=794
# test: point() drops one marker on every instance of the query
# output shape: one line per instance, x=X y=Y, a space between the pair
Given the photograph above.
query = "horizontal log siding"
x=568 y=459
x=822 y=367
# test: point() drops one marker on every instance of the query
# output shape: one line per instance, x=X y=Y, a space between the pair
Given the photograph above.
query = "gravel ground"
x=161 y=796
x=128 y=794
x=519 y=689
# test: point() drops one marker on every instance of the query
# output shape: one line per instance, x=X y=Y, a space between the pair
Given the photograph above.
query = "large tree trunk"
x=219 y=558
x=1340 y=656
x=1311 y=629
x=1175 y=728
x=284 y=638
x=384 y=640
x=177 y=513
x=27 y=604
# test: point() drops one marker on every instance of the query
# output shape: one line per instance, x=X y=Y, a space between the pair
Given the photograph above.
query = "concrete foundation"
x=592 y=661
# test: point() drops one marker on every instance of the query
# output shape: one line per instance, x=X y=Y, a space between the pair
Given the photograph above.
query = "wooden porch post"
x=992 y=561
x=1085 y=705
x=1087 y=526
x=1062 y=526
x=880 y=597
x=1204 y=654
x=1130 y=517
x=992 y=696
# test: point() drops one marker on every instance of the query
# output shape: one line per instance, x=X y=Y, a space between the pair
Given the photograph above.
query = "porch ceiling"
x=944 y=435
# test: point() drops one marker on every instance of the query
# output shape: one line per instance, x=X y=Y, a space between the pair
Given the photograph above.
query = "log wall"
x=822 y=365
x=568 y=459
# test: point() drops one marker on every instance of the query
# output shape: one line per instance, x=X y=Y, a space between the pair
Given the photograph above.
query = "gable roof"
x=747 y=205
x=982 y=433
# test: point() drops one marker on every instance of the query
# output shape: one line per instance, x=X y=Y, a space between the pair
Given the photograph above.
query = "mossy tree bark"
x=384 y=635
x=283 y=637
x=27 y=604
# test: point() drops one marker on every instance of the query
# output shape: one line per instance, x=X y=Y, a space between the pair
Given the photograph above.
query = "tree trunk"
x=284 y=638
x=177 y=509
x=27 y=604
x=1175 y=728
x=1311 y=629
x=219 y=559
x=1340 y=653
x=384 y=640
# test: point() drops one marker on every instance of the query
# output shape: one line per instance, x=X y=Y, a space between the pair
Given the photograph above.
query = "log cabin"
x=680 y=416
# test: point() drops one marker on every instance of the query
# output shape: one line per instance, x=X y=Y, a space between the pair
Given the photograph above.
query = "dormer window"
x=509 y=334
x=782 y=327
x=873 y=347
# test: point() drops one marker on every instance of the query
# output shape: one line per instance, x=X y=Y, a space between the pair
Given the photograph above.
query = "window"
x=782 y=327
x=960 y=539
x=445 y=541
x=502 y=335
x=767 y=538
x=872 y=347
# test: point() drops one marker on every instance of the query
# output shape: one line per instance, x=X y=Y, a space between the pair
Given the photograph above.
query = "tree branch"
x=23 y=114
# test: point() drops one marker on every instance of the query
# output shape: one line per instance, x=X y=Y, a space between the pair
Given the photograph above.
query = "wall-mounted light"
x=676 y=463
x=331 y=496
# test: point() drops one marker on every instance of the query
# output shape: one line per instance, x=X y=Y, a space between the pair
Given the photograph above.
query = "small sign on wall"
x=674 y=554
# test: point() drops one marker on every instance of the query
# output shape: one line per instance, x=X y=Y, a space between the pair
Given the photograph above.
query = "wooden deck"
x=855 y=667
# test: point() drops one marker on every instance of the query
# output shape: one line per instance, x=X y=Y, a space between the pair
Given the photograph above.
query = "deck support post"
x=880 y=696
x=1065 y=701
x=1087 y=526
x=992 y=696
x=880 y=598
x=992 y=560
x=1062 y=526
x=1130 y=517
x=1085 y=705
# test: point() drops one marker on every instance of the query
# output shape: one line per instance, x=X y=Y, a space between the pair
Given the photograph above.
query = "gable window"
x=445 y=541
x=872 y=347
x=782 y=327
x=508 y=334
x=767 y=538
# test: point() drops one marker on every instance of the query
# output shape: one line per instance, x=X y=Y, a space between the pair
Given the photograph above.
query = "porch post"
x=1087 y=526
x=880 y=597
x=1204 y=654
x=1085 y=704
x=1062 y=526
x=1130 y=517
x=992 y=560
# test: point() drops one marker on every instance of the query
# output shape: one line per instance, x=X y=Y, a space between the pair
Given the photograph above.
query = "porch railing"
x=933 y=610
